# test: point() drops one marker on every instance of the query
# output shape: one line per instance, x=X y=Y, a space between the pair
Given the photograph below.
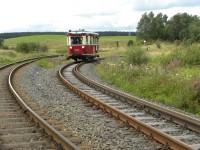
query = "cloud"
x=146 y=5
x=62 y=15
x=89 y=15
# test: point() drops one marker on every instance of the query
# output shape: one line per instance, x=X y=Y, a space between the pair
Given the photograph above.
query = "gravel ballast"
x=97 y=128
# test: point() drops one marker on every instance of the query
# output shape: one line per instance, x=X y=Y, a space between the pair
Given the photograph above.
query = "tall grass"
x=187 y=55
x=172 y=78
x=153 y=83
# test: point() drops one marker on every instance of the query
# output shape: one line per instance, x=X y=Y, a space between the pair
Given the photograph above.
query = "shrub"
x=187 y=42
x=22 y=47
x=158 y=44
x=130 y=43
x=31 y=47
x=177 y=42
x=136 y=56
x=5 y=47
x=43 y=48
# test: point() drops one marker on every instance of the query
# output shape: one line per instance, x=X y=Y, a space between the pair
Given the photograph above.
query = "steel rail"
x=177 y=117
x=146 y=129
x=62 y=141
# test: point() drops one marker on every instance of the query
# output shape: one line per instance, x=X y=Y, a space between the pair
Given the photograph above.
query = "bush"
x=31 y=47
x=177 y=42
x=187 y=42
x=22 y=47
x=130 y=43
x=136 y=56
x=5 y=47
x=158 y=44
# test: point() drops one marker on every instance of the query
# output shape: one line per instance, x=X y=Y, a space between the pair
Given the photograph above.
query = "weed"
x=45 y=63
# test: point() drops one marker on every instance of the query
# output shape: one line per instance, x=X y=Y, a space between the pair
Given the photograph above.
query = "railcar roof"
x=80 y=33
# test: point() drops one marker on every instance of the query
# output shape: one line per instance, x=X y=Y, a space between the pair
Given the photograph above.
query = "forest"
x=182 y=26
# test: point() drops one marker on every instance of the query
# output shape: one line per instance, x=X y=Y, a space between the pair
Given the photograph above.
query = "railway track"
x=20 y=126
x=173 y=129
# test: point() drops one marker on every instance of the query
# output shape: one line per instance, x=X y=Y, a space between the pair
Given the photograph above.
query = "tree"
x=143 y=27
x=194 y=29
x=150 y=27
x=178 y=26
x=181 y=26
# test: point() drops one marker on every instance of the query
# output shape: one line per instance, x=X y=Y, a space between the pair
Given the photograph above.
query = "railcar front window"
x=76 y=40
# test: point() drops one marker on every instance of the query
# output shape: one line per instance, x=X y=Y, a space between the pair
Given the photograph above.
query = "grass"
x=51 y=63
x=45 y=63
x=116 y=38
x=110 y=42
x=172 y=84
x=57 y=45
x=9 y=56
x=53 y=42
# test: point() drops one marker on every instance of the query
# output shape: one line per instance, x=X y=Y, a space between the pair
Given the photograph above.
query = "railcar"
x=82 y=45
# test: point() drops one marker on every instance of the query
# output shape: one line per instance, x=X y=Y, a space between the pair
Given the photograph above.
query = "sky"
x=91 y=15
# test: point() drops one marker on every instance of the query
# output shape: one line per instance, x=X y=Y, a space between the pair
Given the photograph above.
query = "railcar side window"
x=86 y=39
x=76 y=40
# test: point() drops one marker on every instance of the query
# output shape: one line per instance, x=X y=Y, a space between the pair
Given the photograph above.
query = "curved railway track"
x=173 y=129
x=20 y=126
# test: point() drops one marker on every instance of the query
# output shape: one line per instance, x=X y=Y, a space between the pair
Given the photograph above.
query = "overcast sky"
x=92 y=15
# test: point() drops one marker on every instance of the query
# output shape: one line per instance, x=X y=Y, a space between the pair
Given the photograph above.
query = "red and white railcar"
x=82 y=45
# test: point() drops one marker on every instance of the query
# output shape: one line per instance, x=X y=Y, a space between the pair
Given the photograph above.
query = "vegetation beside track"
x=37 y=46
x=56 y=44
x=51 y=63
x=9 y=56
x=168 y=74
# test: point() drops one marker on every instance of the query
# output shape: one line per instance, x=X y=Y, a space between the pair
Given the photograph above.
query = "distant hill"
x=102 y=33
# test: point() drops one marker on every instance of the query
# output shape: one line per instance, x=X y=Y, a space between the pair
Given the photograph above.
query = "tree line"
x=101 y=33
x=181 y=26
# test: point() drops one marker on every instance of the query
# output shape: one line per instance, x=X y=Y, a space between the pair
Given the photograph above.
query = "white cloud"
x=158 y=4
x=61 y=15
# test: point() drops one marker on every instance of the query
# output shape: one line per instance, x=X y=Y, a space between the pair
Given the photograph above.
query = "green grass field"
x=56 y=45
x=59 y=41
x=54 y=42
x=116 y=38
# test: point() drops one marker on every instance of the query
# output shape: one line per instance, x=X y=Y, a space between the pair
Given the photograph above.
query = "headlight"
x=83 y=46
x=70 y=47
